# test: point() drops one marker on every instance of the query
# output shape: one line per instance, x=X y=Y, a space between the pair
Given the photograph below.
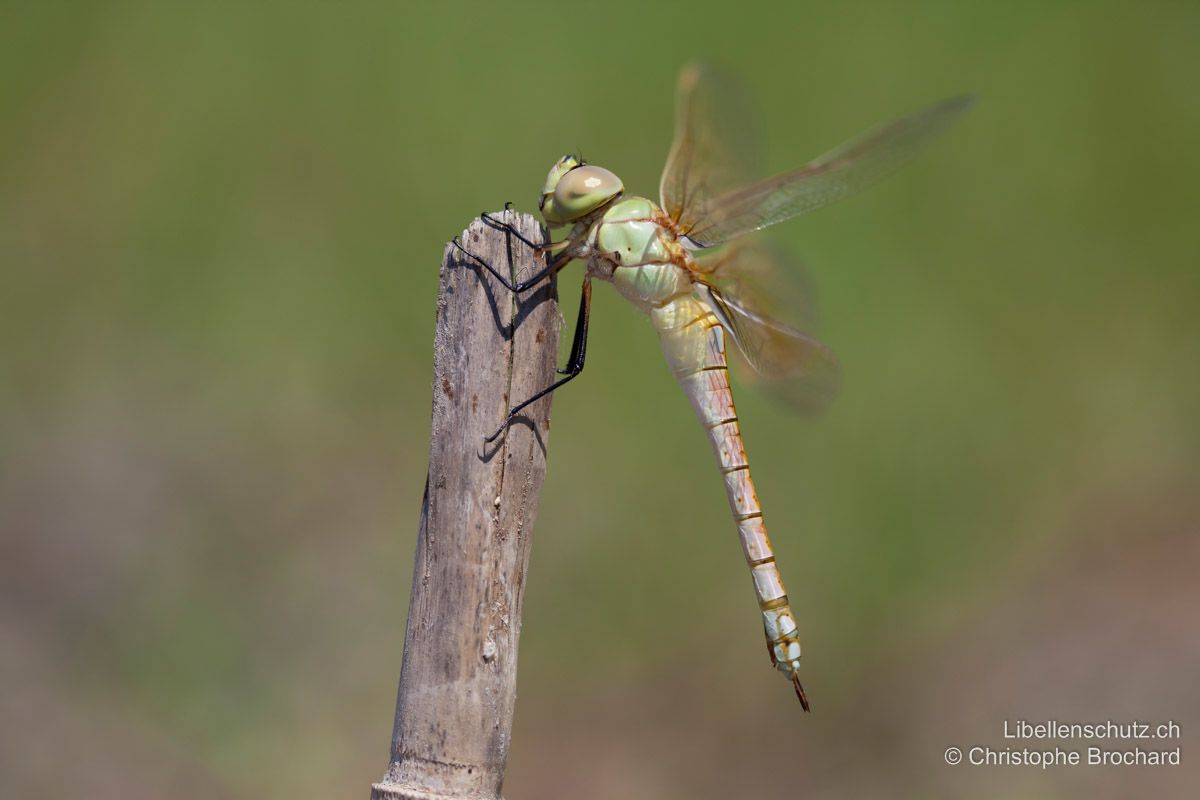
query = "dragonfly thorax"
x=630 y=247
x=574 y=189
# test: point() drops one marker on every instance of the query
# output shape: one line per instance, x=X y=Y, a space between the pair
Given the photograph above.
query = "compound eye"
x=584 y=189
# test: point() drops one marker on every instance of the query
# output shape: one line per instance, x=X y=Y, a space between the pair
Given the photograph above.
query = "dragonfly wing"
x=744 y=286
x=717 y=146
x=710 y=218
x=755 y=273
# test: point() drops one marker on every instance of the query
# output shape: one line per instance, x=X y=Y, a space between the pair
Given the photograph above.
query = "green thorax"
x=645 y=254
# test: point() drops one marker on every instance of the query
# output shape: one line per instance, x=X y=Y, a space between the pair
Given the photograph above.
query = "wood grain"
x=457 y=691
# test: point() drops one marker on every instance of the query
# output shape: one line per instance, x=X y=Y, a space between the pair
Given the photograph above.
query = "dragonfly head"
x=575 y=189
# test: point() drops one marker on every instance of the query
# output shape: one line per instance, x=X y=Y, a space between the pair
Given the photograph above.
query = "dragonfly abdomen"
x=694 y=343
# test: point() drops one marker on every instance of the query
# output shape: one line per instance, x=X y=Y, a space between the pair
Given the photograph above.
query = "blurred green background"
x=220 y=226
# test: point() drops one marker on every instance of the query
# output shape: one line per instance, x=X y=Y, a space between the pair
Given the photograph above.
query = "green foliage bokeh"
x=220 y=226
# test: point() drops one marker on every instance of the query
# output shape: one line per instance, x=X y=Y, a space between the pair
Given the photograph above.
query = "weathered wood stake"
x=454 y=707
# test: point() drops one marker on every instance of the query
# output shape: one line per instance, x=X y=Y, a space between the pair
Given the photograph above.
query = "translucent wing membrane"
x=762 y=276
x=717 y=146
x=744 y=284
x=698 y=189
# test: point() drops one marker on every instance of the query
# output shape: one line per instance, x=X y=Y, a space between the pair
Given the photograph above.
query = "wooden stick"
x=454 y=707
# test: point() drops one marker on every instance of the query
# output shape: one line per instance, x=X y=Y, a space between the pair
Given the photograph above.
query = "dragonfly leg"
x=553 y=266
x=509 y=229
x=574 y=364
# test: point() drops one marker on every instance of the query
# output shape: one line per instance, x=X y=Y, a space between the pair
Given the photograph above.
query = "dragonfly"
x=684 y=263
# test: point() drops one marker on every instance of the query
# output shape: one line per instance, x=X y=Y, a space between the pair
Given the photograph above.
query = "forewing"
x=718 y=217
x=716 y=147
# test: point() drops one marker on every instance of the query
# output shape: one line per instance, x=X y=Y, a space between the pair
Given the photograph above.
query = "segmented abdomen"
x=694 y=344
